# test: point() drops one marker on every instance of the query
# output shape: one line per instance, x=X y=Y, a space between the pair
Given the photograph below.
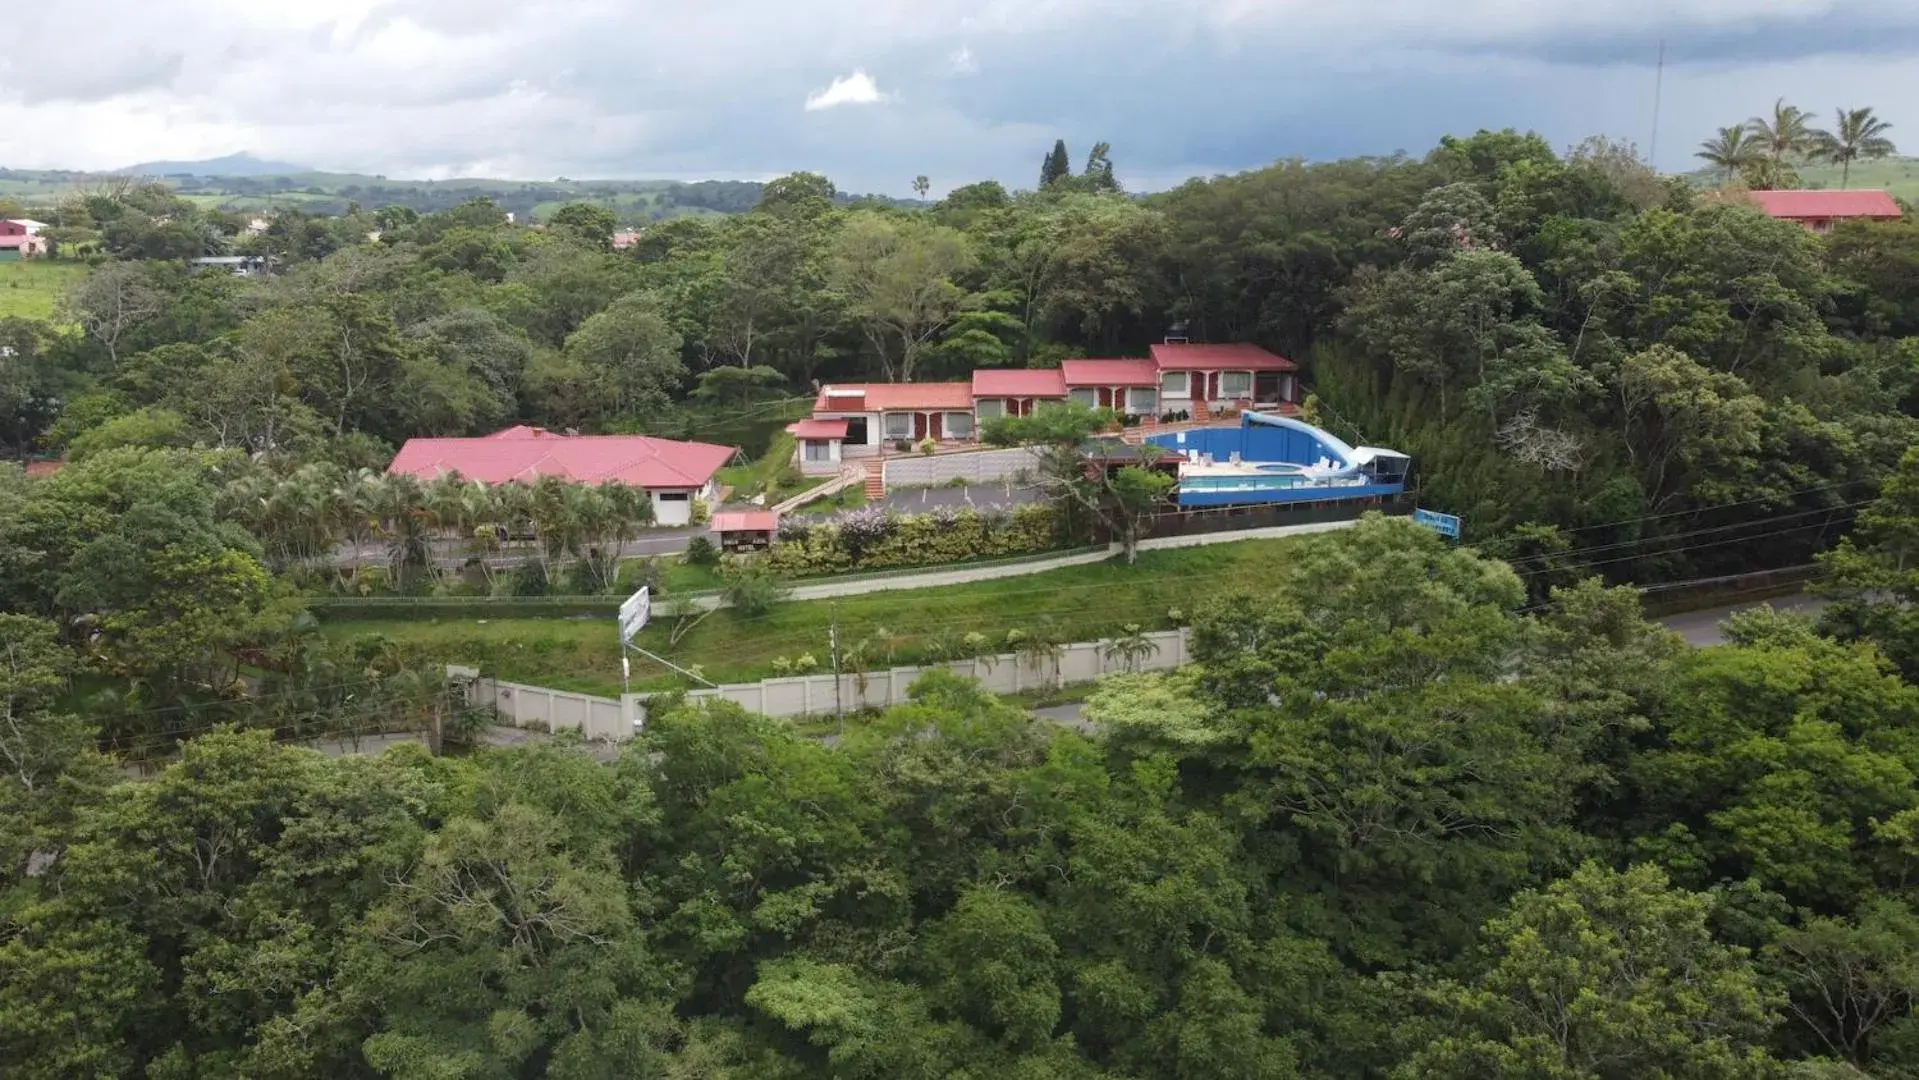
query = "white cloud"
x=963 y=62
x=855 y=89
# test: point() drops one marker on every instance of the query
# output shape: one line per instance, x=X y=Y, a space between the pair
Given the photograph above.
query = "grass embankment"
x=1080 y=603
x=772 y=474
x=846 y=498
x=32 y=288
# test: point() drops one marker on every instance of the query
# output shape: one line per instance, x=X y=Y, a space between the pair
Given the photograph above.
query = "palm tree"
x=1858 y=134
x=1732 y=150
x=1787 y=134
x=1130 y=647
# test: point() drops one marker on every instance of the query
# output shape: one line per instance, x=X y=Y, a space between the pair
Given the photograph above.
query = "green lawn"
x=772 y=474
x=30 y=288
x=845 y=498
x=1080 y=603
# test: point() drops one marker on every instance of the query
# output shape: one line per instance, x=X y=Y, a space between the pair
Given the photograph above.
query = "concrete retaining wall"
x=980 y=467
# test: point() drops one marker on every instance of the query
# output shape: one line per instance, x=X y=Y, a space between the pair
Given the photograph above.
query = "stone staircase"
x=875 y=480
x=1201 y=414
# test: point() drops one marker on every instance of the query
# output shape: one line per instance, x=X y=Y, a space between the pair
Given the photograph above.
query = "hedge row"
x=873 y=538
x=463 y=607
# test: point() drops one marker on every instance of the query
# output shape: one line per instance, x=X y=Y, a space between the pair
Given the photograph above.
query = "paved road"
x=919 y=500
x=1699 y=628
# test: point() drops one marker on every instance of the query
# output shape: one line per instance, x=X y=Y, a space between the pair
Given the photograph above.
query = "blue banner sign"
x=1443 y=524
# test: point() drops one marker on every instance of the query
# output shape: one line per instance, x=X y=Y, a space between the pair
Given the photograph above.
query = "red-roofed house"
x=1014 y=391
x=1818 y=210
x=673 y=473
x=1222 y=375
x=1126 y=386
x=875 y=414
x=856 y=420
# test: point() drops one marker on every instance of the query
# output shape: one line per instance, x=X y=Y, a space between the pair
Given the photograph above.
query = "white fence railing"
x=812 y=695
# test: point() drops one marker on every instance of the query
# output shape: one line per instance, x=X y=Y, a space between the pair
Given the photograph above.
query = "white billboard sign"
x=634 y=613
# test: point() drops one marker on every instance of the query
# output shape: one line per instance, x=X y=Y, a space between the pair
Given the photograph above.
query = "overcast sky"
x=873 y=92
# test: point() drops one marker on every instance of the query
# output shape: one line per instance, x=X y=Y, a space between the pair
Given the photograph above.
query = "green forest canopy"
x=1383 y=826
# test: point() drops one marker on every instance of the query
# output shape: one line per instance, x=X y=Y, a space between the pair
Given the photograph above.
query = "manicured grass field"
x=1080 y=603
x=31 y=288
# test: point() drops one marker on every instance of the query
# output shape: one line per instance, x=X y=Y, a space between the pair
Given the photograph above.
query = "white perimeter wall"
x=604 y=718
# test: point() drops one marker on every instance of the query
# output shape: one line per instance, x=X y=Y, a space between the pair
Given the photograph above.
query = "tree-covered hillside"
x=1415 y=810
x=1385 y=826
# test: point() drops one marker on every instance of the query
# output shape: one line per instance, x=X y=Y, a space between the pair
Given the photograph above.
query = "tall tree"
x=1732 y=149
x=922 y=185
x=1787 y=133
x=1856 y=135
x=632 y=351
x=897 y=275
x=112 y=301
x=1057 y=165
x=1604 y=974
x=590 y=224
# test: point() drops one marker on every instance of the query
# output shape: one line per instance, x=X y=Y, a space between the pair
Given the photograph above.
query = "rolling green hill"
x=634 y=201
x=1899 y=175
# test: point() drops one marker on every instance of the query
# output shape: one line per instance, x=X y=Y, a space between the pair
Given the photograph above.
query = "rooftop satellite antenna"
x=1658 y=88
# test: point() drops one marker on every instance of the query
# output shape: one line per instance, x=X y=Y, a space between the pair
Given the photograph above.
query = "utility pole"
x=1658 y=90
x=833 y=639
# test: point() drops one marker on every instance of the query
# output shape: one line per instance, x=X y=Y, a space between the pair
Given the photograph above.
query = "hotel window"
x=899 y=425
x=819 y=450
x=1235 y=384
x=991 y=407
x=959 y=425
x=1142 y=399
x=1176 y=383
x=1085 y=395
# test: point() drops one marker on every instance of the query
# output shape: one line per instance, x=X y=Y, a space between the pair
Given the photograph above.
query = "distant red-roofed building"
x=38 y=469
x=1819 y=210
x=21 y=239
x=672 y=473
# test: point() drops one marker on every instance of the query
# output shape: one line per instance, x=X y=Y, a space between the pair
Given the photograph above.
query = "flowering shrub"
x=873 y=538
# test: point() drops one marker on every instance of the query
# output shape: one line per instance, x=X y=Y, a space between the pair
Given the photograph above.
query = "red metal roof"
x=1110 y=373
x=819 y=429
x=1816 y=205
x=896 y=397
x=1219 y=358
x=1019 y=383
x=506 y=457
x=746 y=521
x=520 y=431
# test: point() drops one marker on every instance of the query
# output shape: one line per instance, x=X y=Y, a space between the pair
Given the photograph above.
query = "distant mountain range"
x=241 y=164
